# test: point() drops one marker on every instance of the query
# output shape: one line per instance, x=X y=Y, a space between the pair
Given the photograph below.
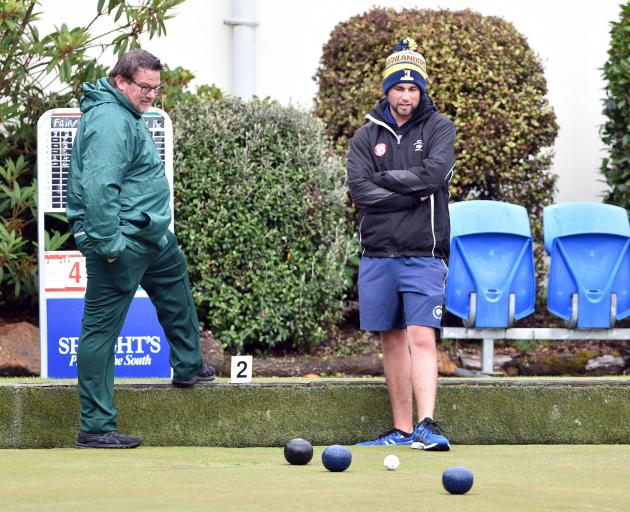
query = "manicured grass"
x=11 y=381
x=507 y=478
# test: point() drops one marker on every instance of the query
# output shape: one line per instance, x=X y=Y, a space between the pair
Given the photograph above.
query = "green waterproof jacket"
x=118 y=194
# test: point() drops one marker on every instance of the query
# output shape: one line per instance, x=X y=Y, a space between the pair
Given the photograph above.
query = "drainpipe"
x=244 y=49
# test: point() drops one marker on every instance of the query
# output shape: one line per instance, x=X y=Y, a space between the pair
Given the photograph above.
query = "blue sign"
x=142 y=349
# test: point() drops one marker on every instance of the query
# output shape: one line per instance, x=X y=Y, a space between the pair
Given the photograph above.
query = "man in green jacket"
x=118 y=208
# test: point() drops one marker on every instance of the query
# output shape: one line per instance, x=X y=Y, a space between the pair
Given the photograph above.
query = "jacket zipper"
x=384 y=125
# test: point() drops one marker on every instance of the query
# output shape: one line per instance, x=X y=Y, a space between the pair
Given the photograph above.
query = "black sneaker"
x=205 y=374
x=107 y=440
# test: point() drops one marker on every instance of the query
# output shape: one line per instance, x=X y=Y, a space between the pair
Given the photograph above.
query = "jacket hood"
x=425 y=108
x=102 y=92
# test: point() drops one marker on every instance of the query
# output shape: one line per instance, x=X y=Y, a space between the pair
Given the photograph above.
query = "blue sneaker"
x=428 y=435
x=389 y=437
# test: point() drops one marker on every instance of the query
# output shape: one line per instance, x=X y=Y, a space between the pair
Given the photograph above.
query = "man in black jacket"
x=399 y=167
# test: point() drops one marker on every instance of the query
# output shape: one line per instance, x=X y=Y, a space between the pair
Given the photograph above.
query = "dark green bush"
x=616 y=130
x=260 y=214
x=482 y=74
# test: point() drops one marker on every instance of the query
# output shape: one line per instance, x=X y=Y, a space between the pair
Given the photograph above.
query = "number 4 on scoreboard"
x=75 y=272
x=64 y=271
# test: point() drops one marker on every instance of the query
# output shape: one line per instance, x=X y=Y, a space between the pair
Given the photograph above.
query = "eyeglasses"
x=145 y=89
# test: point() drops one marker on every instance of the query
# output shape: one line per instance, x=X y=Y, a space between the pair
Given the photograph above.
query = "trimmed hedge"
x=259 y=211
x=478 y=411
x=482 y=74
x=616 y=131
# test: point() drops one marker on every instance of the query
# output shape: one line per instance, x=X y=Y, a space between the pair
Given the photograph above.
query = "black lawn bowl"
x=298 y=451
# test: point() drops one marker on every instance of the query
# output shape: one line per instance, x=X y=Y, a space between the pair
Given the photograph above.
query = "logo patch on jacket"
x=418 y=144
x=380 y=149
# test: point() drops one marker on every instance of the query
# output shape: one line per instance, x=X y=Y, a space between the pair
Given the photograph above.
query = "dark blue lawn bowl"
x=336 y=458
x=457 y=480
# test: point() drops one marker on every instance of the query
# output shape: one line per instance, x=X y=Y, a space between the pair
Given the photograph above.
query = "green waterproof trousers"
x=163 y=274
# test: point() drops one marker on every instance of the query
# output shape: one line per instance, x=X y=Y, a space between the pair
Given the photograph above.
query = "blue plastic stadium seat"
x=589 y=274
x=491 y=279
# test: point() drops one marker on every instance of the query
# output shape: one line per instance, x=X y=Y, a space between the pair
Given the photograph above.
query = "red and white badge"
x=380 y=149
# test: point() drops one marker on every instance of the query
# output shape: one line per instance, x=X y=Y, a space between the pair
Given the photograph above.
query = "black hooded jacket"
x=398 y=177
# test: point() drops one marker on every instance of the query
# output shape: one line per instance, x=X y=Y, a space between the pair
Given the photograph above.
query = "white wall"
x=571 y=38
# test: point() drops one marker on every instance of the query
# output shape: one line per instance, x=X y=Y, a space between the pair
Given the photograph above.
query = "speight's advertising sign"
x=141 y=349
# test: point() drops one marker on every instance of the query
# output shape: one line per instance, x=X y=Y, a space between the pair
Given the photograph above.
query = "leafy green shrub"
x=177 y=82
x=616 y=130
x=482 y=74
x=260 y=215
x=18 y=203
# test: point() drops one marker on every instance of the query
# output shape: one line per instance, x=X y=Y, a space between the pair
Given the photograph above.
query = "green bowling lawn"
x=507 y=478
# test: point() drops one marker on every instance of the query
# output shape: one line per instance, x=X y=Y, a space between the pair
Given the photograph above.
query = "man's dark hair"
x=131 y=62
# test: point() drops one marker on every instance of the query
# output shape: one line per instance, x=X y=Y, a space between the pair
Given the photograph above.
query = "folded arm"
x=367 y=195
x=435 y=170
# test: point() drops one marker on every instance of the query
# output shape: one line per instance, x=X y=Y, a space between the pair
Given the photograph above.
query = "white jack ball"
x=391 y=462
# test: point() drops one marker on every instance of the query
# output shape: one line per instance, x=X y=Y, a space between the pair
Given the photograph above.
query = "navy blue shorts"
x=397 y=292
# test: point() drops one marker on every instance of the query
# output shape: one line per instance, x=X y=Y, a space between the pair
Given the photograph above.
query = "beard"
x=143 y=107
x=405 y=110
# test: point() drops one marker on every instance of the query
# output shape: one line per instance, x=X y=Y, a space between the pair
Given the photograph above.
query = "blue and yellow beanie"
x=405 y=65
